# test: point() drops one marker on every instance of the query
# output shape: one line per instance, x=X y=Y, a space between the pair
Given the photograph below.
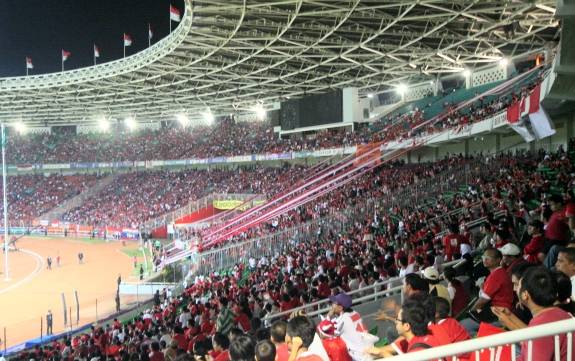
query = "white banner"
x=541 y=124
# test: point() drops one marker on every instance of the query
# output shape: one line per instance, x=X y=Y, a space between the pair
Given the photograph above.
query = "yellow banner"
x=235 y=204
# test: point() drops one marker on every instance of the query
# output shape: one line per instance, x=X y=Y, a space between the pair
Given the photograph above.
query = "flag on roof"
x=96 y=52
x=150 y=33
x=175 y=14
x=29 y=64
x=65 y=55
x=127 y=40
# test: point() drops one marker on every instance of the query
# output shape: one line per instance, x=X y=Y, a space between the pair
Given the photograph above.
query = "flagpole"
x=5 y=202
x=94 y=50
x=170 y=14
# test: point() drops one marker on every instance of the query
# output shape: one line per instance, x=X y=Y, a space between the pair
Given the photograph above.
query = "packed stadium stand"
x=429 y=221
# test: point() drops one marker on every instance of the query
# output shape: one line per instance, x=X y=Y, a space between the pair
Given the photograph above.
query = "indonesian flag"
x=96 y=52
x=127 y=40
x=150 y=33
x=525 y=106
x=175 y=14
x=29 y=64
x=65 y=55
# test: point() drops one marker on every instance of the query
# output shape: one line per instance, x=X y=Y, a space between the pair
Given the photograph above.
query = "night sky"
x=41 y=28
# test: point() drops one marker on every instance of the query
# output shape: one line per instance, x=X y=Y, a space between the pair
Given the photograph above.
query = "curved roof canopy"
x=230 y=54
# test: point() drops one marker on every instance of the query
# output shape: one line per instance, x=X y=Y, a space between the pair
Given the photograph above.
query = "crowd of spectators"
x=30 y=196
x=230 y=138
x=224 y=315
x=135 y=197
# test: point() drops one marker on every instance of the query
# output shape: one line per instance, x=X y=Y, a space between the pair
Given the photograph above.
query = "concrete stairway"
x=57 y=212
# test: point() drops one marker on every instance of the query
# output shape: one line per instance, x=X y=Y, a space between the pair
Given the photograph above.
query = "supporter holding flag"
x=335 y=347
x=351 y=327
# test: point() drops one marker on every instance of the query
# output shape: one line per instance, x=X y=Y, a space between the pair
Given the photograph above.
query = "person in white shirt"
x=351 y=327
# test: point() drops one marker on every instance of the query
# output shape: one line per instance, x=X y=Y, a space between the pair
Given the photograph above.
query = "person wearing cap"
x=351 y=326
x=511 y=257
x=435 y=288
x=333 y=344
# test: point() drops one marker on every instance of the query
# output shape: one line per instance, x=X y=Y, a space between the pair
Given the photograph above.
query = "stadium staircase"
x=57 y=212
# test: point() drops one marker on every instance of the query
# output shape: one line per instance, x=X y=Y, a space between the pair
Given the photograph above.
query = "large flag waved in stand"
x=527 y=117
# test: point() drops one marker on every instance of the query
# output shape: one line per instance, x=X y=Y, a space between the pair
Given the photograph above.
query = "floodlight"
x=183 y=119
x=20 y=127
x=503 y=62
x=130 y=123
x=260 y=111
x=402 y=89
x=103 y=124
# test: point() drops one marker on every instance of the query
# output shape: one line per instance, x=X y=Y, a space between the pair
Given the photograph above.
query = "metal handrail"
x=490 y=343
x=374 y=295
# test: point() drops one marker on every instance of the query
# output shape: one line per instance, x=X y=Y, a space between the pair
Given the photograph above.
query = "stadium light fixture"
x=20 y=127
x=183 y=119
x=466 y=73
x=130 y=123
x=260 y=111
x=503 y=62
x=402 y=89
x=208 y=116
x=370 y=95
x=103 y=124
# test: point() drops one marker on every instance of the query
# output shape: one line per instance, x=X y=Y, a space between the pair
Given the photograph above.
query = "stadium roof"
x=230 y=54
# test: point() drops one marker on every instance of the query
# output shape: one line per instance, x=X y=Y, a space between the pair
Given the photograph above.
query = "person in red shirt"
x=448 y=327
x=278 y=336
x=156 y=354
x=497 y=291
x=333 y=344
x=557 y=230
x=220 y=344
x=534 y=249
x=452 y=243
x=457 y=293
x=538 y=291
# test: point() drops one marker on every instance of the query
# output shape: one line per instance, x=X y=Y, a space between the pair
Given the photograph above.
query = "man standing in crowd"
x=49 y=322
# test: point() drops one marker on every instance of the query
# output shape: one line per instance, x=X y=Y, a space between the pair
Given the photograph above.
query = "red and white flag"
x=96 y=52
x=65 y=55
x=150 y=33
x=175 y=14
x=127 y=40
x=524 y=106
x=29 y=64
